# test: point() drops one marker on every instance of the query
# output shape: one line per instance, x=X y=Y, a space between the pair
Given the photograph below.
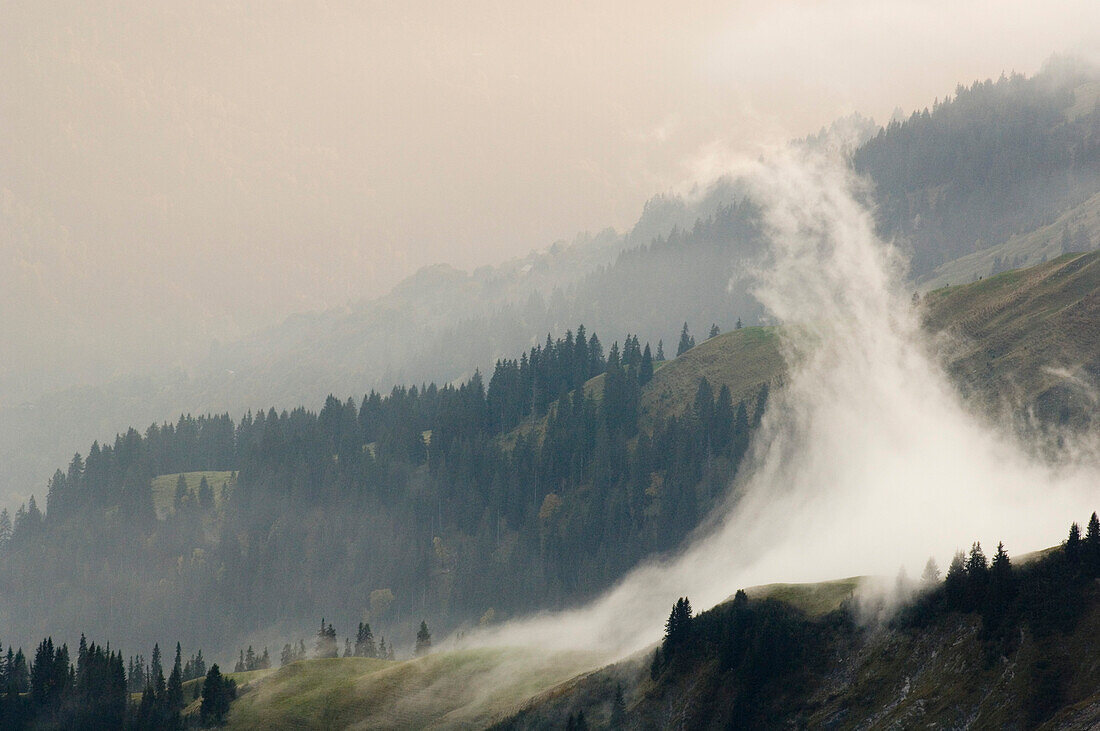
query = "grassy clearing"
x=742 y=359
x=462 y=688
x=246 y=682
x=813 y=599
x=164 y=487
x=1030 y=336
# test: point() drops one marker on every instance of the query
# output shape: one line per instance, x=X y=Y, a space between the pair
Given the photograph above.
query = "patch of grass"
x=1028 y=337
x=164 y=487
x=245 y=682
x=462 y=688
x=813 y=599
x=743 y=360
x=1030 y=248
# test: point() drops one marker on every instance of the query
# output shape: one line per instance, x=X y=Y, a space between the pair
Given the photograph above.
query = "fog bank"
x=867 y=458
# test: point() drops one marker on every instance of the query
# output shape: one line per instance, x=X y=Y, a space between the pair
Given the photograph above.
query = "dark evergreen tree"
x=687 y=342
x=1092 y=546
x=677 y=627
x=1072 y=545
x=618 y=708
x=645 y=370
x=423 y=639
x=364 y=642
x=217 y=693
x=173 y=700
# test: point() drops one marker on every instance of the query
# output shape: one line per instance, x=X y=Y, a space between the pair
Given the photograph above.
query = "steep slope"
x=766 y=664
x=455 y=689
x=1028 y=340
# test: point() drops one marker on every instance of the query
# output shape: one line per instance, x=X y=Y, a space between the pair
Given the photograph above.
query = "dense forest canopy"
x=452 y=502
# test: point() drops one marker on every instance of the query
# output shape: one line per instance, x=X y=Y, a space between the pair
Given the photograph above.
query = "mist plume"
x=867 y=458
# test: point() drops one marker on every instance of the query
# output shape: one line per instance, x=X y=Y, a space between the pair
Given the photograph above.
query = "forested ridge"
x=425 y=502
x=997 y=158
x=990 y=643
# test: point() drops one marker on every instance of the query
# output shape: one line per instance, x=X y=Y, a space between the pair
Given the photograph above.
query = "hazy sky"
x=175 y=171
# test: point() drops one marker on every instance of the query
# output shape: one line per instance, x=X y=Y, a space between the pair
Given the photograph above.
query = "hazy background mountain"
x=686 y=258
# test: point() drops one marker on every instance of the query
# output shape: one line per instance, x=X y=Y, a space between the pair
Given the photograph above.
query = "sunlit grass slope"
x=456 y=689
x=743 y=360
x=164 y=487
x=1030 y=336
x=813 y=599
x=193 y=688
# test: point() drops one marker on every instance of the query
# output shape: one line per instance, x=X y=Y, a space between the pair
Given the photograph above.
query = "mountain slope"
x=1027 y=338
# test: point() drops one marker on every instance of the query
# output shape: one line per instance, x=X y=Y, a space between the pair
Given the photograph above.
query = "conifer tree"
x=206 y=494
x=955 y=581
x=931 y=574
x=1000 y=573
x=364 y=642
x=687 y=342
x=174 y=690
x=660 y=356
x=618 y=708
x=714 y=331
x=423 y=639
x=1072 y=545
x=645 y=370
x=156 y=673
x=678 y=626
x=181 y=493
x=217 y=693
x=1092 y=546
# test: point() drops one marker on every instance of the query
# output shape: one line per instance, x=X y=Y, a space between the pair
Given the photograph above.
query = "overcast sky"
x=173 y=171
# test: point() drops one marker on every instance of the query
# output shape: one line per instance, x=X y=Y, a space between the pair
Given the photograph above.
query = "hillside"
x=1027 y=338
x=932 y=190
x=454 y=689
x=1022 y=656
x=470 y=524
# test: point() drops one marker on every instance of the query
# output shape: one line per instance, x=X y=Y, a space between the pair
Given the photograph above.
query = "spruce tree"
x=687 y=342
x=645 y=370
x=217 y=692
x=174 y=690
x=618 y=708
x=181 y=493
x=156 y=673
x=1092 y=546
x=423 y=639
x=1072 y=545
x=931 y=574
x=955 y=581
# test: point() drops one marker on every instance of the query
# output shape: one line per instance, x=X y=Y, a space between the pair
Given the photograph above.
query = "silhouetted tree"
x=423 y=639
x=687 y=342
x=217 y=693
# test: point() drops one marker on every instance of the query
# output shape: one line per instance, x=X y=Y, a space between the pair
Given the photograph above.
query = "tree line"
x=455 y=501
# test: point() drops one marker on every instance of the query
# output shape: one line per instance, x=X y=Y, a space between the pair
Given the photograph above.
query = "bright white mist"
x=867 y=459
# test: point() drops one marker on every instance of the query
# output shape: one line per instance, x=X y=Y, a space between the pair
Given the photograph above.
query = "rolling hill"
x=1023 y=329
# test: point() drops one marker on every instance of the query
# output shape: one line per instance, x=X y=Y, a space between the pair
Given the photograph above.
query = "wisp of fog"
x=867 y=458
